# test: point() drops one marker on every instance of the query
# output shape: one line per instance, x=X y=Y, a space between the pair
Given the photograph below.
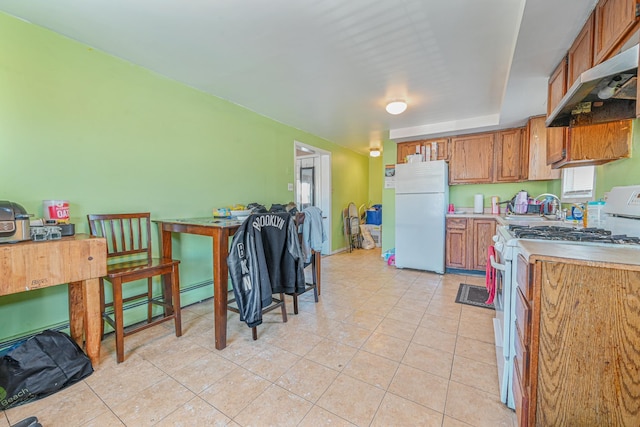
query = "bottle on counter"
x=577 y=212
x=495 y=205
x=595 y=214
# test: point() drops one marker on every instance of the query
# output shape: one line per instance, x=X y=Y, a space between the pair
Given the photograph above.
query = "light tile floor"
x=383 y=347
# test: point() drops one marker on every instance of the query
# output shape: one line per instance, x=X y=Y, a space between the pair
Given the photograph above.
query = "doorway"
x=306 y=195
x=313 y=184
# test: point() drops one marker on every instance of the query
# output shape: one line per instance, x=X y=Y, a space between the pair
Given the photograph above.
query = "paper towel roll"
x=478 y=203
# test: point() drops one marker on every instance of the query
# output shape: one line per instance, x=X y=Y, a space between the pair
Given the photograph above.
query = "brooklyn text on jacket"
x=268 y=221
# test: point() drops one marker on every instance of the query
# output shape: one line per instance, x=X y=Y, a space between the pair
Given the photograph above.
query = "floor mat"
x=473 y=295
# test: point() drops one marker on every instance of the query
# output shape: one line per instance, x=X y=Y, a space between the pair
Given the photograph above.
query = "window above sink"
x=578 y=184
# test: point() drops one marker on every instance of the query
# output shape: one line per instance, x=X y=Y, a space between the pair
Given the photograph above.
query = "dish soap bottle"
x=578 y=214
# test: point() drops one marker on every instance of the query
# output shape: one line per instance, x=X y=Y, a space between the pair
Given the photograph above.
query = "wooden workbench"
x=78 y=260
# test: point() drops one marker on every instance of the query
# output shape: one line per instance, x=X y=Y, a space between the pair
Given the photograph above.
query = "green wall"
x=376 y=180
x=79 y=125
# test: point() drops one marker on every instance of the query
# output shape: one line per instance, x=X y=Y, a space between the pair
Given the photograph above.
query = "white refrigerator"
x=422 y=197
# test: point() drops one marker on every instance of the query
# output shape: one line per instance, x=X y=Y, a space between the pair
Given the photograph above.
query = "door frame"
x=322 y=183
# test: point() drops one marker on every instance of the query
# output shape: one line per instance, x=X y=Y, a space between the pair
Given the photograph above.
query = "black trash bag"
x=42 y=365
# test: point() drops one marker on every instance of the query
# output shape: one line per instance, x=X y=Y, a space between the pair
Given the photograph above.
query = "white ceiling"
x=328 y=67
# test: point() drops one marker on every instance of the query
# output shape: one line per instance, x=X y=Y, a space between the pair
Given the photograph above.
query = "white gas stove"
x=622 y=228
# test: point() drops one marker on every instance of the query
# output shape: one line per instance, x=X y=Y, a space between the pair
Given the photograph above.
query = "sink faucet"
x=554 y=207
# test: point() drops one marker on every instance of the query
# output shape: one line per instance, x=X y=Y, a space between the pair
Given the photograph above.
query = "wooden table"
x=78 y=260
x=219 y=230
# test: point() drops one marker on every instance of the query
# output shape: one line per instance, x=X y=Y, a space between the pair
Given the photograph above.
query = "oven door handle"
x=495 y=264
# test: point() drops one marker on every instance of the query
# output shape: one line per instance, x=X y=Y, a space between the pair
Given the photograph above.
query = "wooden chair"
x=315 y=266
x=275 y=303
x=129 y=259
x=236 y=243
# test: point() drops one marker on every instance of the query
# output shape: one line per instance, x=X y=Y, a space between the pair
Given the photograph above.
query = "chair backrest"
x=127 y=235
x=299 y=221
x=353 y=210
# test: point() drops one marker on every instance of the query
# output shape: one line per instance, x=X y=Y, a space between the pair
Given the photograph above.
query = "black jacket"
x=265 y=258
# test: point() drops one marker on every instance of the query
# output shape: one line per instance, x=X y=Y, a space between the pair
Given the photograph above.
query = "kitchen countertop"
x=534 y=220
x=531 y=220
x=612 y=256
x=470 y=214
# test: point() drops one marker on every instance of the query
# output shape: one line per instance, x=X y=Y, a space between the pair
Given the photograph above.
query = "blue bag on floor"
x=42 y=365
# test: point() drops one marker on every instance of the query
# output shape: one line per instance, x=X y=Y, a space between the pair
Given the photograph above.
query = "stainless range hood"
x=604 y=93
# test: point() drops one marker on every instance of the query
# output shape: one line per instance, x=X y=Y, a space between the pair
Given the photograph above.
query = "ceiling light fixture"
x=374 y=152
x=396 y=107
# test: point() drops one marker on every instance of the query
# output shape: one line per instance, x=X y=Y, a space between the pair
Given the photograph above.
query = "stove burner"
x=546 y=232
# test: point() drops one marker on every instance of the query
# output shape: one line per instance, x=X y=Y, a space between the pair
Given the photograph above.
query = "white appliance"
x=622 y=229
x=622 y=210
x=505 y=264
x=422 y=196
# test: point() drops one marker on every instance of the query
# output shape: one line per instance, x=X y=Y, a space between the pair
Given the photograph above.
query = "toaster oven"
x=14 y=223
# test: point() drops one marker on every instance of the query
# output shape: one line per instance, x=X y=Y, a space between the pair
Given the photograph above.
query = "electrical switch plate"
x=290 y=186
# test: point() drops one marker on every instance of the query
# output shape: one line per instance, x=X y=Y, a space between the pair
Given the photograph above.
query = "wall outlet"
x=290 y=186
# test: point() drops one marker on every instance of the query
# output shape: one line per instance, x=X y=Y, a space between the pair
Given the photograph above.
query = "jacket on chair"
x=265 y=258
x=313 y=235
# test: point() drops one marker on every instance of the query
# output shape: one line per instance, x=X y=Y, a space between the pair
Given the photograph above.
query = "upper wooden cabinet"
x=582 y=145
x=472 y=159
x=556 y=137
x=606 y=31
x=594 y=144
x=598 y=144
x=487 y=157
x=580 y=56
x=509 y=155
x=405 y=149
x=537 y=151
x=439 y=149
x=613 y=20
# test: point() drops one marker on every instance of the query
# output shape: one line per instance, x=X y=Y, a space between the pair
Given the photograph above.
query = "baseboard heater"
x=6 y=345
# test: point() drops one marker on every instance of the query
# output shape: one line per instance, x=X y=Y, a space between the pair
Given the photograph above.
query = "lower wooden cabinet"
x=522 y=344
x=521 y=398
x=577 y=339
x=456 y=255
x=467 y=242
